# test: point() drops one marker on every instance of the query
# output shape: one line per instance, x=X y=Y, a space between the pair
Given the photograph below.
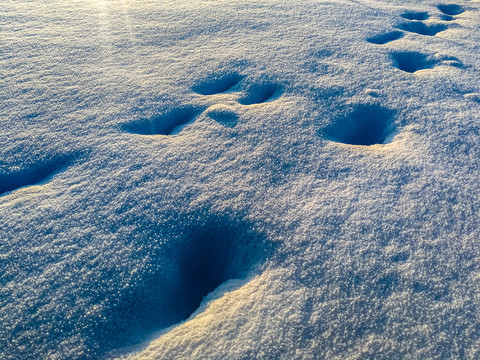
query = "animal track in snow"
x=412 y=61
x=451 y=9
x=206 y=250
x=364 y=124
x=260 y=93
x=223 y=114
x=217 y=84
x=385 y=38
x=421 y=28
x=170 y=123
x=415 y=15
x=216 y=250
x=36 y=174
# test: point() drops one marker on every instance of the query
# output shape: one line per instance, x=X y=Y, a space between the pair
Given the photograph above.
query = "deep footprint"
x=419 y=27
x=415 y=15
x=213 y=252
x=260 y=93
x=216 y=84
x=223 y=115
x=412 y=61
x=451 y=9
x=203 y=252
x=170 y=123
x=385 y=38
x=365 y=124
x=36 y=174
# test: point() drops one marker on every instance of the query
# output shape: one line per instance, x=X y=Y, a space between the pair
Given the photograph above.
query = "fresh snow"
x=239 y=179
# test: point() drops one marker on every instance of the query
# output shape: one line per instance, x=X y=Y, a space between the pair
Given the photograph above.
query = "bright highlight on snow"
x=243 y=180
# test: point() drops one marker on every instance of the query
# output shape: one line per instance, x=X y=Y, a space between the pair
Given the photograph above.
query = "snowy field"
x=239 y=179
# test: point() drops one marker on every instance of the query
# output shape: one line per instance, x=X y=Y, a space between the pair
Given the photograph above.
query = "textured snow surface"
x=239 y=179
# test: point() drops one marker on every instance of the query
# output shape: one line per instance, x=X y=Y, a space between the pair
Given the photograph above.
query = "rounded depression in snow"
x=364 y=124
x=170 y=122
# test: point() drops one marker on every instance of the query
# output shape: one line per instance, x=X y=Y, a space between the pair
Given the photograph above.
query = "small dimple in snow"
x=169 y=123
x=224 y=115
x=447 y=17
x=260 y=93
x=385 y=38
x=450 y=9
x=415 y=15
x=421 y=28
x=437 y=293
x=400 y=257
x=451 y=61
x=385 y=285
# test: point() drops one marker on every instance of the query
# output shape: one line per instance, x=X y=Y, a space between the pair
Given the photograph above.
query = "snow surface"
x=239 y=179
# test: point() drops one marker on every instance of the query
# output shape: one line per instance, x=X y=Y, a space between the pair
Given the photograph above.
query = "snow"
x=239 y=180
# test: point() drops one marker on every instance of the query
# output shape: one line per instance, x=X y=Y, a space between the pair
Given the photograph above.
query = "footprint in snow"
x=473 y=97
x=362 y=124
x=217 y=83
x=223 y=83
x=258 y=93
x=415 y=26
x=415 y=15
x=449 y=11
x=174 y=120
x=413 y=61
x=170 y=122
x=421 y=28
x=207 y=251
x=385 y=38
x=39 y=173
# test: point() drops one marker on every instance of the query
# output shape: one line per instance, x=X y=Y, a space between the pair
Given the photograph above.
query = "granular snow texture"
x=239 y=180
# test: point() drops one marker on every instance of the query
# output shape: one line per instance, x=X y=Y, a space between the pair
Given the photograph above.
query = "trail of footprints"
x=170 y=122
x=174 y=120
x=413 y=61
x=363 y=124
x=200 y=259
